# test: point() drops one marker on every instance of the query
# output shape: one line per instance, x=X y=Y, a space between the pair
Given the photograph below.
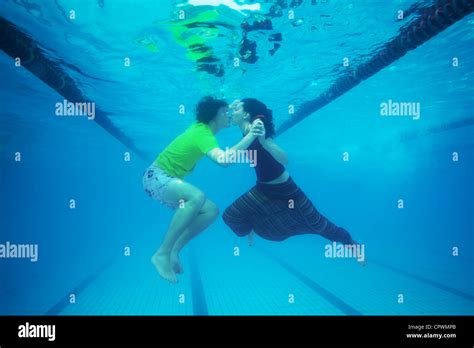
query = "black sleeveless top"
x=267 y=168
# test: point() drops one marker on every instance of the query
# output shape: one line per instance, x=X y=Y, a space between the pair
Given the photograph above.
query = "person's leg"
x=208 y=213
x=305 y=217
x=334 y=233
x=289 y=212
x=319 y=224
x=235 y=216
x=190 y=201
x=254 y=211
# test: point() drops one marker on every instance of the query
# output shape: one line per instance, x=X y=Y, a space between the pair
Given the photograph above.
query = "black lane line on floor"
x=326 y=294
x=64 y=302
x=424 y=280
x=199 y=299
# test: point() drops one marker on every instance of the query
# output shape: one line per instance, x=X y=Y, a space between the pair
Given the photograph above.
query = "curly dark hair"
x=207 y=109
x=256 y=109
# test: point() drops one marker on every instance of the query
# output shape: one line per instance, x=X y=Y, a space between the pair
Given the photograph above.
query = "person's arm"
x=221 y=157
x=276 y=151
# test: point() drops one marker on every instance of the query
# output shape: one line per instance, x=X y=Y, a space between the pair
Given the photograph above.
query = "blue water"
x=408 y=251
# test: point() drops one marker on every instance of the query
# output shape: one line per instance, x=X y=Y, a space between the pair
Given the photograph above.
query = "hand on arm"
x=221 y=157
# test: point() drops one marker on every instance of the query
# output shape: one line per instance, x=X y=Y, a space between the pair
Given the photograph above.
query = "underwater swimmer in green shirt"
x=163 y=181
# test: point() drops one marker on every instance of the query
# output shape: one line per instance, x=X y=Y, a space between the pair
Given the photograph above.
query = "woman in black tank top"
x=275 y=208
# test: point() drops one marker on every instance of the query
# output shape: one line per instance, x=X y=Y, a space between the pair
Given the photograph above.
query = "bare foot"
x=175 y=263
x=163 y=266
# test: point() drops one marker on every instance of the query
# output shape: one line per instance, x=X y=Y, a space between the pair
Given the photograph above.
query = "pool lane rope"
x=434 y=20
x=18 y=44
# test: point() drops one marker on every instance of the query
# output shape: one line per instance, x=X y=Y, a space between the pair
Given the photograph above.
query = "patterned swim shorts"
x=155 y=183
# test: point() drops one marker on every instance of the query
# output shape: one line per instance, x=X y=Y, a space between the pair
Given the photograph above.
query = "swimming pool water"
x=94 y=254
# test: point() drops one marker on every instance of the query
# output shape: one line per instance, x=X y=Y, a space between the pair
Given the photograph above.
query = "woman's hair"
x=207 y=109
x=257 y=109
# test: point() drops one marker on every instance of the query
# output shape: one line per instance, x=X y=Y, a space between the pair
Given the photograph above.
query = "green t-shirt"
x=179 y=158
